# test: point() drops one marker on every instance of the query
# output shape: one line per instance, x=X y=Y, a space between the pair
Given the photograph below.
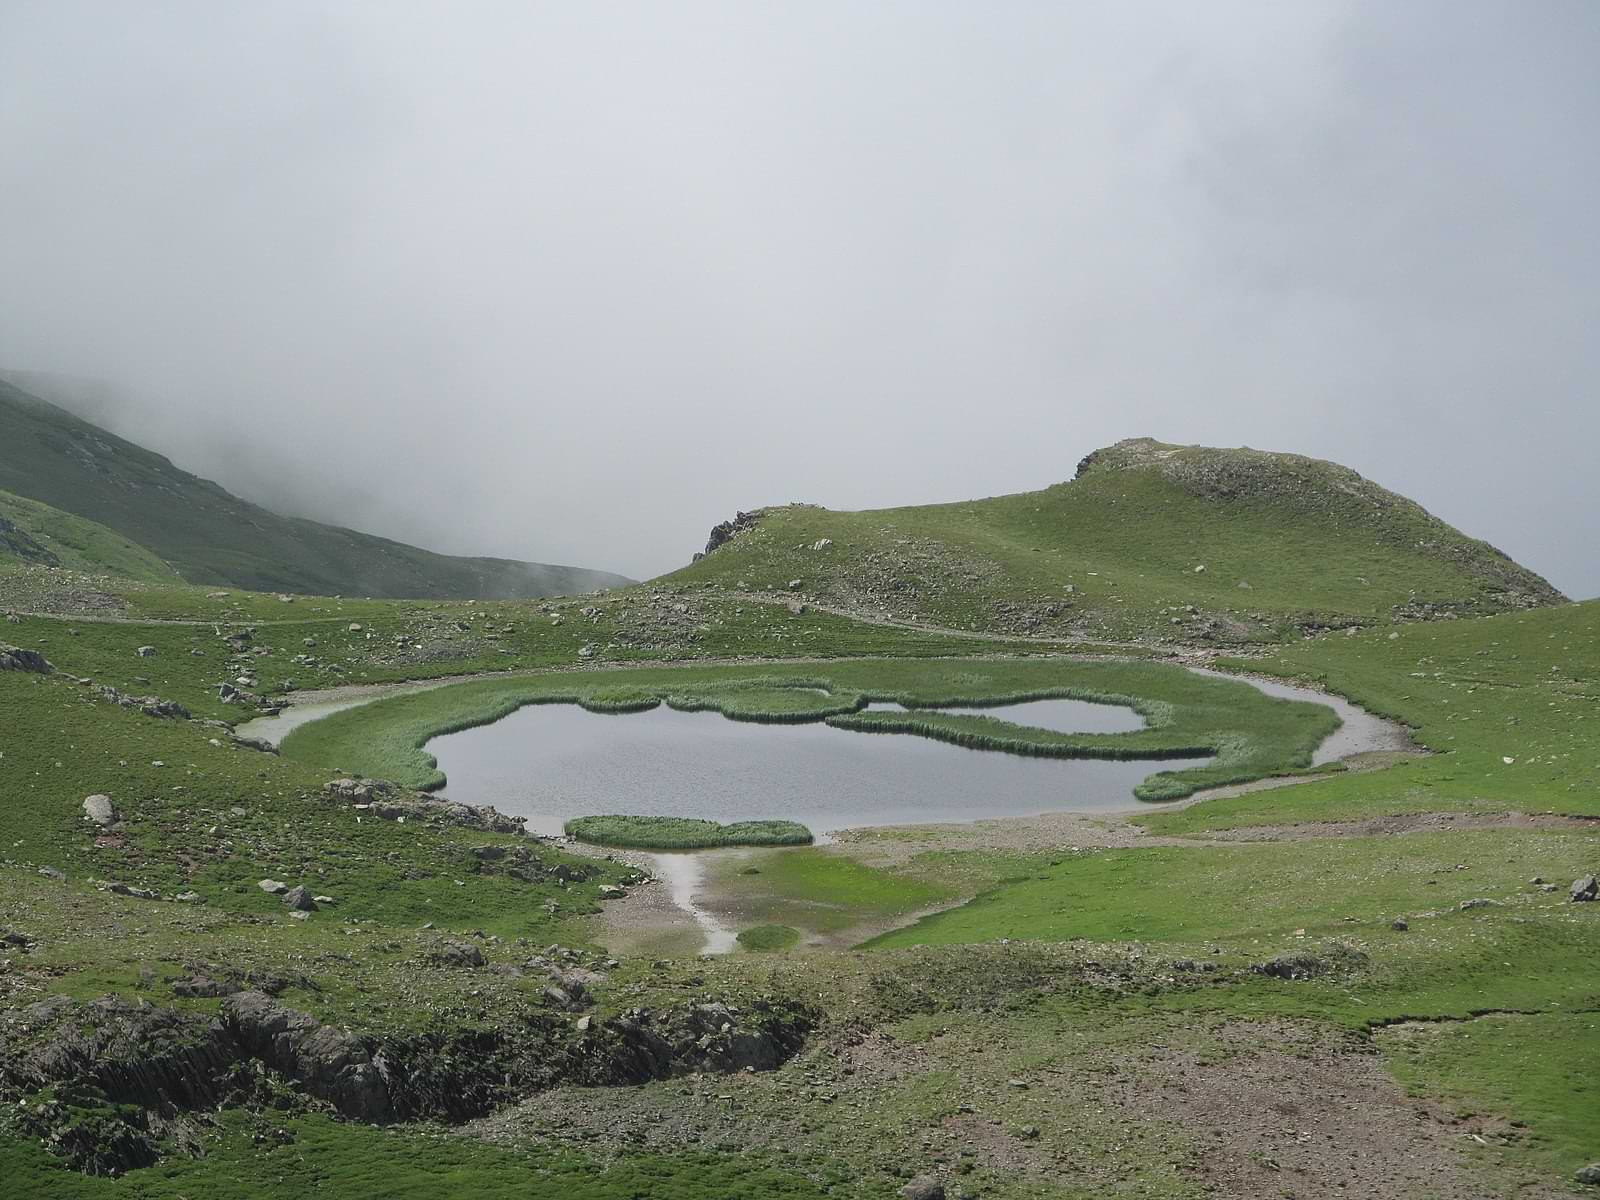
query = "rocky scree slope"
x=210 y=536
x=1149 y=541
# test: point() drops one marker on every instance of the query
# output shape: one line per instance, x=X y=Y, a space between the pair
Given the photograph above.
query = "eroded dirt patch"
x=1280 y=1109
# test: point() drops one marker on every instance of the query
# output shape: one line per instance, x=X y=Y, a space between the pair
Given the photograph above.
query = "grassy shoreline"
x=1252 y=736
x=630 y=832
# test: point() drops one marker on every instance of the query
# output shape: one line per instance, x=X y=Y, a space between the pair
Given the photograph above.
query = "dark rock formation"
x=727 y=529
x=15 y=658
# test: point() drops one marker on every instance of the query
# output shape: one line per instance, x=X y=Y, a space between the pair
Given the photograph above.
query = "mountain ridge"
x=210 y=536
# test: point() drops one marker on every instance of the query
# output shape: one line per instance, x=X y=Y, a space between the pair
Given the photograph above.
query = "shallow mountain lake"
x=551 y=762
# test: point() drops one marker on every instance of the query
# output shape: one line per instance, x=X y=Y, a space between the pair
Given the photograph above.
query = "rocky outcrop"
x=387 y=802
x=19 y=543
x=728 y=529
x=329 y=1063
x=15 y=658
x=151 y=706
x=160 y=1063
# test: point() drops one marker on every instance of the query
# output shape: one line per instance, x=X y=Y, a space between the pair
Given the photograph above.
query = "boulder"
x=923 y=1187
x=272 y=887
x=146 y=651
x=299 y=899
x=1587 y=888
x=14 y=658
x=100 y=810
x=1589 y=1174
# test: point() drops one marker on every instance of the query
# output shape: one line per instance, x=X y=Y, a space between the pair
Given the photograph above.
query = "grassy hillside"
x=37 y=533
x=211 y=536
x=1180 y=542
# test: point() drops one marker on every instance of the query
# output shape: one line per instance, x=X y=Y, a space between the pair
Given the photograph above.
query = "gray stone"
x=138 y=893
x=54 y=873
x=923 y=1187
x=146 y=651
x=100 y=810
x=299 y=898
x=272 y=887
x=1399 y=924
x=1478 y=902
x=14 y=658
x=1589 y=1174
x=1587 y=888
x=457 y=954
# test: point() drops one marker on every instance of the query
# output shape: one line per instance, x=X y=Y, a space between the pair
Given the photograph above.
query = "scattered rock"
x=1303 y=964
x=923 y=1187
x=54 y=873
x=299 y=898
x=138 y=893
x=610 y=891
x=1587 y=888
x=272 y=887
x=587 y=650
x=822 y=543
x=794 y=585
x=189 y=898
x=1478 y=902
x=457 y=954
x=100 y=810
x=146 y=651
x=1399 y=924
x=1589 y=1174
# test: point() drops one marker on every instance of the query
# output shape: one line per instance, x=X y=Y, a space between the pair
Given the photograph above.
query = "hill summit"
x=1149 y=540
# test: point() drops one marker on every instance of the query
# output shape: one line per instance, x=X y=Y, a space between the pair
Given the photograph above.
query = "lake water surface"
x=551 y=762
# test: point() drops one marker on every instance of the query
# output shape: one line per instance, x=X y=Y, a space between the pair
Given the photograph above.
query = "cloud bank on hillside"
x=572 y=282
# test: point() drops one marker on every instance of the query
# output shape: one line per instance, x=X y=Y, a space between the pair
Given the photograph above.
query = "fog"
x=572 y=282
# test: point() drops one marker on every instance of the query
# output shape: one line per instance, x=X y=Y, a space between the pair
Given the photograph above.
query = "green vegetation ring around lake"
x=683 y=833
x=1250 y=735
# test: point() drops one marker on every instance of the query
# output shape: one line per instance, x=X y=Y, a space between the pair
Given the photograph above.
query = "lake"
x=551 y=762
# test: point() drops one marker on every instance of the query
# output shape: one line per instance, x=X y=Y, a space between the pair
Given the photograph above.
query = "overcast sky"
x=572 y=282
